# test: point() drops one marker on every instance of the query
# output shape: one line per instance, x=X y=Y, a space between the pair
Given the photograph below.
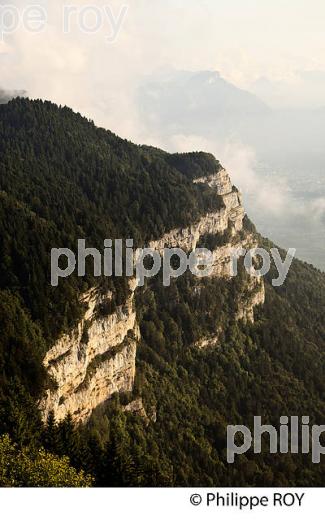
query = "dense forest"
x=61 y=178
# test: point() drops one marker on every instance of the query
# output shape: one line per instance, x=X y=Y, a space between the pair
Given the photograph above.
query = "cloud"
x=100 y=79
x=300 y=89
x=7 y=95
x=269 y=200
x=317 y=209
x=272 y=196
x=244 y=41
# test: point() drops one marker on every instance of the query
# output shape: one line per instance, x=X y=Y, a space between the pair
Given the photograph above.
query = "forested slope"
x=61 y=179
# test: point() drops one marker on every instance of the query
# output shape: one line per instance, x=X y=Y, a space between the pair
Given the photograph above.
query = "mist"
x=190 y=75
x=7 y=95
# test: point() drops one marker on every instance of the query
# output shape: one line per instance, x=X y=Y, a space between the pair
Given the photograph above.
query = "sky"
x=95 y=54
x=275 y=49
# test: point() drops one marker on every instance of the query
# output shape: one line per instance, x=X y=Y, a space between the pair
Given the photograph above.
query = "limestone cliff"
x=94 y=361
x=229 y=216
x=254 y=295
x=97 y=358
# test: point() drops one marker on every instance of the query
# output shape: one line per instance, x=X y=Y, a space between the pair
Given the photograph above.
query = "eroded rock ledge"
x=229 y=216
x=93 y=362
x=97 y=359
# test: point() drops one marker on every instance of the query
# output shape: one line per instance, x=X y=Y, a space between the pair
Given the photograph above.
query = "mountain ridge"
x=199 y=366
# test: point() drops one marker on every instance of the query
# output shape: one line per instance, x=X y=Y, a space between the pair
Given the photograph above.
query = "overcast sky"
x=282 y=42
x=273 y=48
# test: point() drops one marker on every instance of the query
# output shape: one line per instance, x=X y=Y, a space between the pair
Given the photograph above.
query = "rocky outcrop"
x=97 y=359
x=93 y=362
x=211 y=341
x=229 y=216
x=219 y=180
x=251 y=298
x=136 y=407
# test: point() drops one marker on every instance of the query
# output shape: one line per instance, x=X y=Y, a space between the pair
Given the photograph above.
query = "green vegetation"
x=61 y=179
x=23 y=468
x=212 y=241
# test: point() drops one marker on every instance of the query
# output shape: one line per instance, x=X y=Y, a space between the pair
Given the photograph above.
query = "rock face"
x=97 y=358
x=228 y=219
x=255 y=295
x=220 y=180
x=93 y=362
x=229 y=216
x=136 y=407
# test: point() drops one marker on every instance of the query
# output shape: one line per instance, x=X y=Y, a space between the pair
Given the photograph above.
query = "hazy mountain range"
x=277 y=156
